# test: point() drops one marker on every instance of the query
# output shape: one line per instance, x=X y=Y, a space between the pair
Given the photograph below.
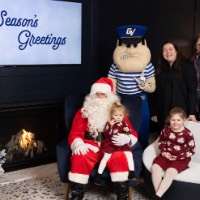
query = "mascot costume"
x=133 y=76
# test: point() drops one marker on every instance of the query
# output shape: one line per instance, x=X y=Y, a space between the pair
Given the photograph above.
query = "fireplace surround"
x=43 y=119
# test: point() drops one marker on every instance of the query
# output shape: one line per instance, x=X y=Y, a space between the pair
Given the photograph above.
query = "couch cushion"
x=194 y=127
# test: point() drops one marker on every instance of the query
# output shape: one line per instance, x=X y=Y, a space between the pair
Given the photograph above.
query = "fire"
x=24 y=143
x=27 y=139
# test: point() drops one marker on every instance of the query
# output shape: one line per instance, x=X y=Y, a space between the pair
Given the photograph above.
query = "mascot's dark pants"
x=140 y=118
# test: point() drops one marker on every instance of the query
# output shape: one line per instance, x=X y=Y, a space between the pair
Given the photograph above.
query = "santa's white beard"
x=97 y=111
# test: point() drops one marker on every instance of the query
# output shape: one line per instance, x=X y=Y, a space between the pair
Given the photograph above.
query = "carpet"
x=43 y=183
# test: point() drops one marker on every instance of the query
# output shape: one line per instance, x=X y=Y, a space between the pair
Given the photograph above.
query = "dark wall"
x=166 y=19
x=176 y=20
x=111 y=15
x=176 y=23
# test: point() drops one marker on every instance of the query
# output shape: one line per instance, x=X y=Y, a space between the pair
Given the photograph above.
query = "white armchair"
x=186 y=184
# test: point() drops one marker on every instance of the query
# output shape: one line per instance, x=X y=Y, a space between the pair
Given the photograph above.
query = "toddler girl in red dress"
x=114 y=126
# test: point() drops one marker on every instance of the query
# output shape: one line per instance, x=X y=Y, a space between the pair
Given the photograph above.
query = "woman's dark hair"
x=163 y=65
x=196 y=38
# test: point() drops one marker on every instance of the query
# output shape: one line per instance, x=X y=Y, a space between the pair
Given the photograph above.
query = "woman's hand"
x=192 y=118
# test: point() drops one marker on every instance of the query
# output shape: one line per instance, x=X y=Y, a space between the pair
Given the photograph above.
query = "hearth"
x=29 y=132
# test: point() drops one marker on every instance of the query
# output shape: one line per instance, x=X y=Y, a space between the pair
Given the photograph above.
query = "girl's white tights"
x=160 y=184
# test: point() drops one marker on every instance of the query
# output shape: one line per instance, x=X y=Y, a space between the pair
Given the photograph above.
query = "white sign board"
x=40 y=32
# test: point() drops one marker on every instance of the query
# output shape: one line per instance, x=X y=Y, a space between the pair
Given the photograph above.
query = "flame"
x=26 y=140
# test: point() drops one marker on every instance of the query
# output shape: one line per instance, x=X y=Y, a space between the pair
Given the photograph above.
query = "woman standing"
x=196 y=60
x=176 y=84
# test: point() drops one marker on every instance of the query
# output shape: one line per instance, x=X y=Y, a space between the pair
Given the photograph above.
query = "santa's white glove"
x=121 y=139
x=81 y=149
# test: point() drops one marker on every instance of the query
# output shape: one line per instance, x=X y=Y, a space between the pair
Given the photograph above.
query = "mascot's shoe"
x=97 y=179
x=77 y=191
x=121 y=190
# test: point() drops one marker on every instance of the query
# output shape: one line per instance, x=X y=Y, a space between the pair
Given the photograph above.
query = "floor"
x=37 y=183
x=43 y=183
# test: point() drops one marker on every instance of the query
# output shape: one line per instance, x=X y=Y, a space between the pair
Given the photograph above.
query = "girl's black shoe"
x=97 y=179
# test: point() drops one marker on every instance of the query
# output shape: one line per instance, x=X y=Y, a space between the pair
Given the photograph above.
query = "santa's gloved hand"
x=81 y=149
x=120 y=139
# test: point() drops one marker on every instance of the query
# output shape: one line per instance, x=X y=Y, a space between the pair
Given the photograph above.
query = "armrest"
x=63 y=153
x=150 y=153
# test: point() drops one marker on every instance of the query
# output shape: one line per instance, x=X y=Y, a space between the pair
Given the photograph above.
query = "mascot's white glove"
x=81 y=149
x=121 y=139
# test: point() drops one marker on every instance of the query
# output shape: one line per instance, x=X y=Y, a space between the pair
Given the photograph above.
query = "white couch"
x=190 y=178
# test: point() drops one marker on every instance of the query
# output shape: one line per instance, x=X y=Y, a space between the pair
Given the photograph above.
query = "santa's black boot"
x=77 y=191
x=121 y=190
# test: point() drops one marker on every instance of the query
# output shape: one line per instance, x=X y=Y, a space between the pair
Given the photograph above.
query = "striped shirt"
x=126 y=83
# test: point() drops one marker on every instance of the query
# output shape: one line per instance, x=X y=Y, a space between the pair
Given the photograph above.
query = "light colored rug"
x=43 y=183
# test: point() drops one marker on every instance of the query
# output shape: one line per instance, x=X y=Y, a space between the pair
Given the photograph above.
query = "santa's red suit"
x=84 y=143
x=82 y=165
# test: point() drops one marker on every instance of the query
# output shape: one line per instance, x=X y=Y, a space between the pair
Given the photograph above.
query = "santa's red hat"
x=103 y=85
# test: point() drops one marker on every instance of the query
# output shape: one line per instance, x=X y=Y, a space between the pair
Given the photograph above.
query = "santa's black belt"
x=89 y=136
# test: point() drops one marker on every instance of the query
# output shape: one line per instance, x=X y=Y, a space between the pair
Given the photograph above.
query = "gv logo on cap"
x=130 y=31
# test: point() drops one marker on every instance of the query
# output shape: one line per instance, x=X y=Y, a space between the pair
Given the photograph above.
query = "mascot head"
x=131 y=53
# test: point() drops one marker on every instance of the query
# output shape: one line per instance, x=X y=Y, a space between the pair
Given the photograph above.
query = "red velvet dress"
x=106 y=145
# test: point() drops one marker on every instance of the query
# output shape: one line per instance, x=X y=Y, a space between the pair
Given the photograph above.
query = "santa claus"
x=85 y=138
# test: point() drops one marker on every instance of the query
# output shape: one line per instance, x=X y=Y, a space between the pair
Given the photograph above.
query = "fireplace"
x=29 y=132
